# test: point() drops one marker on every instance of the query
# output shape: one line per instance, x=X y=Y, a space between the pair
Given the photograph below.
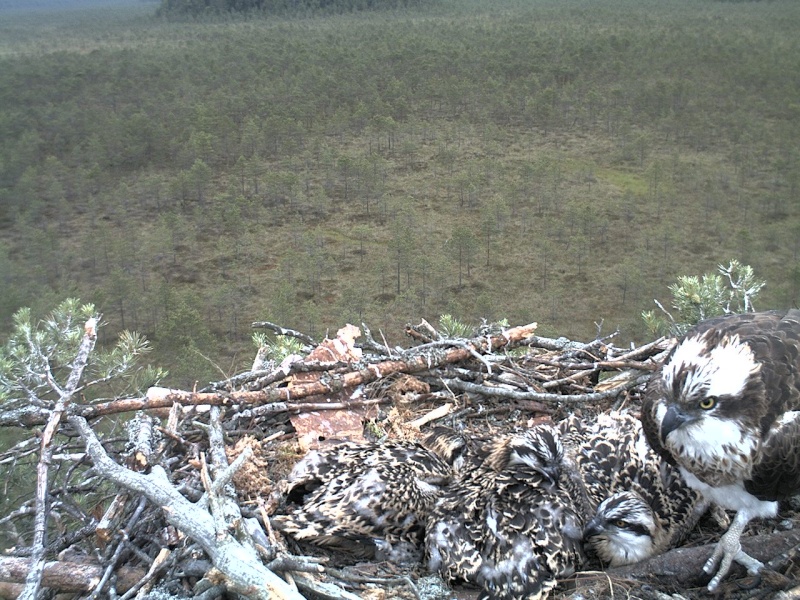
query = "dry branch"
x=682 y=567
x=428 y=357
x=67 y=576
x=542 y=397
x=34 y=577
x=424 y=359
x=238 y=562
x=277 y=329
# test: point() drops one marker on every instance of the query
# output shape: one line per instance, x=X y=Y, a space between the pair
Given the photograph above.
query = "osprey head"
x=623 y=530
x=449 y=445
x=703 y=405
x=538 y=449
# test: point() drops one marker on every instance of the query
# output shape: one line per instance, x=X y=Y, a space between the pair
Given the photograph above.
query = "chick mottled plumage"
x=507 y=512
x=643 y=506
x=370 y=500
x=509 y=523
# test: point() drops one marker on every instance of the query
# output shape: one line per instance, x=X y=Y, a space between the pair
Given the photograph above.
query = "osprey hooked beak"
x=592 y=529
x=551 y=472
x=673 y=419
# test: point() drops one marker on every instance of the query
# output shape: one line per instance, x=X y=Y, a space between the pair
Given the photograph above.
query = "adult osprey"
x=725 y=407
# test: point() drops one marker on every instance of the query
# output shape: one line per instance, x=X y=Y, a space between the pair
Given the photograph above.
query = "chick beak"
x=592 y=529
x=553 y=473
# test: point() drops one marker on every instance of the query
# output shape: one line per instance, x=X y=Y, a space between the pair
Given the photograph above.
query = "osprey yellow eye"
x=708 y=403
x=620 y=523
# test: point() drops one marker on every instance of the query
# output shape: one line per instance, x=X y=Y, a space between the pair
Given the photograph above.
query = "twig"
x=141 y=438
x=543 y=396
x=384 y=581
x=255 y=380
x=220 y=501
x=608 y=365
x=557 y=383
x=324 y=590
x=34 y=579
x=436 y=413
x=662 y=344
x=112 y=563
x=558 y=344
x=417 y=335
x=459 y=344
x=237 y=380
x=22 y=511
x=424 y=332
x=306 y=564
x=159 y=564
x=370 y=343
x=303 y=407
x=19 y=450
x=308 y=340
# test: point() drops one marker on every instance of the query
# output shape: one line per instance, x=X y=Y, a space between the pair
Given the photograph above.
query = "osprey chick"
x=625 y=530
x=639 y=505
x=370 y=500
x=725 y=407
x=509 y=523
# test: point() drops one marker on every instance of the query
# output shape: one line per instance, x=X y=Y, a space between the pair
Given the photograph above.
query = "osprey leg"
x=729 y=549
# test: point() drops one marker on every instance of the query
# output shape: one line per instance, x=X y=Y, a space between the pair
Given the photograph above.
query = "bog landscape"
x=451 y=212
x=558 y=162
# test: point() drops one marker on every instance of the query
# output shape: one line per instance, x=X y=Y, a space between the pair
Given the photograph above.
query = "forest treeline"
x=271 y=7
x=552 y=161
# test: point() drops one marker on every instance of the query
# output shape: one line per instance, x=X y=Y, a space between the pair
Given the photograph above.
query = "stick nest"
x=193 y=477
